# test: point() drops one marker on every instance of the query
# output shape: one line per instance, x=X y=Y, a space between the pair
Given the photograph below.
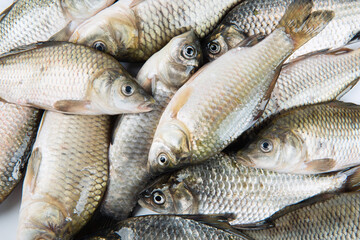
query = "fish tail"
x=301 y=24
x=353 y=179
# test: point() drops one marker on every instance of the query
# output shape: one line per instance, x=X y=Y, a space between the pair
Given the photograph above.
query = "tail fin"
x=353 y=179
x=301 y=24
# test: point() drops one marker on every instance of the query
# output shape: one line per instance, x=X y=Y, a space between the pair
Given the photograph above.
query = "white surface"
x=9 y=209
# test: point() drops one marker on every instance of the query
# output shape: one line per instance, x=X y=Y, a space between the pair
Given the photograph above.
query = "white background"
x=9 y=209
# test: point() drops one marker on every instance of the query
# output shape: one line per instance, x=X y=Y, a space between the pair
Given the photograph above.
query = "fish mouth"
x=147 y=106
x=244 y=160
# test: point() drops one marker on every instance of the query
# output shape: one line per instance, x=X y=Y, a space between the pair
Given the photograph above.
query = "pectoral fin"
x=320 y=165
x=62 y=35
x=33 y=170
x=72 y=106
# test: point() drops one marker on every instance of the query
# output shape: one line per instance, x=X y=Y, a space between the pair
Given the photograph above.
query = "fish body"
x=164 y=227
x=260 y=17
x=66 y=176
x=69 y=78
x=18 y=129
x=31 y=21
x=164 y=72
x=133 y=30
x=335 y=218
x=309 y=139
x=316 y=78
x=223 y=185
x=212 y=110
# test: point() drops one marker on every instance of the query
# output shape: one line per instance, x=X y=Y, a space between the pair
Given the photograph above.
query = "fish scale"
x=162 y=227
x=69 y=165
x=223 y=185
x=334 y=218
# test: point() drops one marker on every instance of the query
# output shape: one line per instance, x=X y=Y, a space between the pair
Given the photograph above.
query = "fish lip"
x=245 y=160
x=147 y=106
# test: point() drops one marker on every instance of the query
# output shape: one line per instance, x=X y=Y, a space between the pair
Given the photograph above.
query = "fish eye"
x=100 y=46
x=163 y=159
x=127 y=90
x=214 y=47
x=189 y=51
x=266 y=146
x=158 y=198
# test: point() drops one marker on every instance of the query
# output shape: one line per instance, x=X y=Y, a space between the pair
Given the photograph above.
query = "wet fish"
x=310 y=139
x=69 y=78
x=18 y=128
x=133 y=30
x=260 y=17
x=165 y=72
x=164 y=227
x=212 y=110
x=66 y=176
x=315 y=78
x=335 y=218
x=31 y=21
x=223 y=185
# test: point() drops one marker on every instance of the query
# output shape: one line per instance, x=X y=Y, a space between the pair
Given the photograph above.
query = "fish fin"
x=261 y=225
x=353 y=179
x=33 y=170
x=62 y=35
x=251 y=40
x=29 y=47
x=266 y=98
x=321 y=165
x=340 y=104
x=305 y=56
x=218 y=221
x=134 y=3
x=6 y=11
x=181 y=100
x=347 y=89
x=302 y=24
x=72 y=106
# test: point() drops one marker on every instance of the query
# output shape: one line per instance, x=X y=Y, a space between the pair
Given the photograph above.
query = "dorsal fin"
x=218 y=221
x=6 y=11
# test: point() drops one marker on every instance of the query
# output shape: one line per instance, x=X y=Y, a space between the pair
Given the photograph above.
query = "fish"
x=253 y=18
x=66 y=176
x=212 y=110
x=162 y=75
x=307 y=140
x=18 y=129
x=133 y=30
x=223 y=185
x=164 y=227
x=333 y=217
x=30 y=21
x=69 y=78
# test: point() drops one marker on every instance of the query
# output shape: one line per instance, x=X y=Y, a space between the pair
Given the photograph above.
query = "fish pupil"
x=265 y=145
x=99 y=46
x=162 y=159
x=214 y=47
x=158 y=198
x=128 y=89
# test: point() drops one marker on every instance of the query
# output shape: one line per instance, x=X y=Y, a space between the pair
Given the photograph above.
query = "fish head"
x=112 y=30
x=84 y=8
x=169 y=194
x=171 y=148
x=184 y=56
x=223 y=38
x=114 y=91
x=273 y=148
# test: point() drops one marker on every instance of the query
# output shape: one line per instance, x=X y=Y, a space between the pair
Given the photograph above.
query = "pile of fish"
x=232 y=128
